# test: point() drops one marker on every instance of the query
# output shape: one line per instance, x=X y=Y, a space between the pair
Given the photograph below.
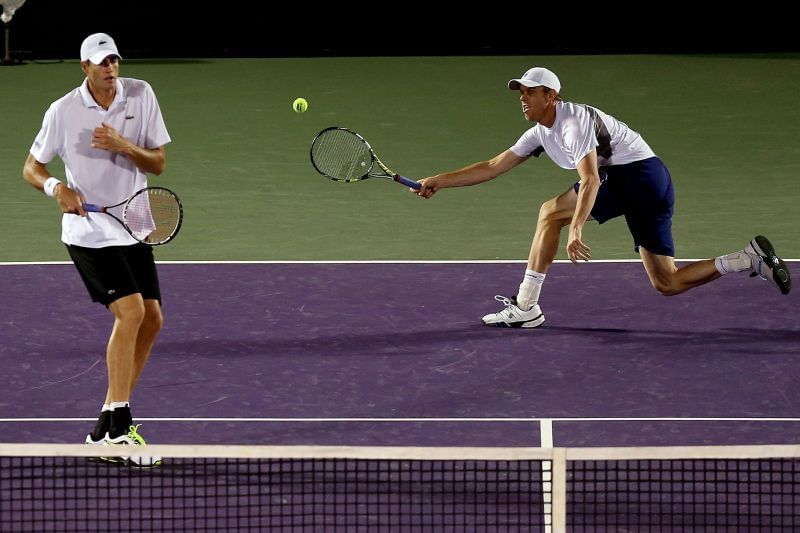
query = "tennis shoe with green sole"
x=766 y=265
x=513 y=316
x=132 y=438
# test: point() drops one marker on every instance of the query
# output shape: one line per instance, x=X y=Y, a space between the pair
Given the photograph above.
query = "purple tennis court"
x=395 y=354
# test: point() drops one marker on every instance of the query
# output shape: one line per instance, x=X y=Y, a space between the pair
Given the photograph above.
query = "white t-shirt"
x=102 y=177
x=578 y=130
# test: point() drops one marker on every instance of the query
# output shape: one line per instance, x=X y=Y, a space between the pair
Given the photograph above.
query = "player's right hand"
x=428 y=187
x=70 y=201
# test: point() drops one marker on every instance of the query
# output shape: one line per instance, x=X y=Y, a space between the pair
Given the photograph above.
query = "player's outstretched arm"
x=470 y=175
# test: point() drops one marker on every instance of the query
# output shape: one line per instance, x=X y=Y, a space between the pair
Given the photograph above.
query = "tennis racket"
x=153 y=215
x=344 y=155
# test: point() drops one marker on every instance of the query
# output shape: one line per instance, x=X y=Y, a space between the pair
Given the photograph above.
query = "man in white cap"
x=110 y=134
x=619 y=175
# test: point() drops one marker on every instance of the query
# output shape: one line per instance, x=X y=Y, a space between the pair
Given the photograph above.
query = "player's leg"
x=523 y=310
x=128 y=316
x=650 y=223
x=758 y=258
x=669 y=280
x=651 y=229
x=115 y=418
x=554 y=214
x=130 y=344
x=146 y=338
x=113 y=276
x=139 y=260
x=649 y=198
x=142 y=265
x=109 y=281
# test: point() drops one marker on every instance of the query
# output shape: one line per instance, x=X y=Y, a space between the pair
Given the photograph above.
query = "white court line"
x=336 y=262
x=546 y=432
x=438 y=419
x=376 y=262
x=546 y=441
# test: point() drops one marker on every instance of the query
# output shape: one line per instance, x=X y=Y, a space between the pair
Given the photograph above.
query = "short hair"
x=548 y=90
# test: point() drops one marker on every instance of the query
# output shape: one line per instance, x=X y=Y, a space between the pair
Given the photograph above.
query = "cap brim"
x=515 y=84
x=99 y=56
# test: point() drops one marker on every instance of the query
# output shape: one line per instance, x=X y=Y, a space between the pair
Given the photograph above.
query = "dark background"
x=47 y=29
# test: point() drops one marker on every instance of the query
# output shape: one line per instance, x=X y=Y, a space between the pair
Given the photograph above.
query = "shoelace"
x=502 y=299
x=133 y=434
x=757 y=268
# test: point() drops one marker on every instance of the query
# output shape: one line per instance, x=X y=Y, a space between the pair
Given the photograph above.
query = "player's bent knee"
x=547 y=209
x=665 y=287
x=550 y=214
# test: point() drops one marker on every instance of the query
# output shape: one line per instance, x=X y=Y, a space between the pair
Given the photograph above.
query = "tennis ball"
x=300 y=105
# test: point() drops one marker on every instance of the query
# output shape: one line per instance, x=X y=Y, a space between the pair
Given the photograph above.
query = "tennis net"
x=312 y=488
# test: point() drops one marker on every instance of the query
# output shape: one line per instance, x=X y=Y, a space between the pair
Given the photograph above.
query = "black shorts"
x=116 y=271
x=641 y=191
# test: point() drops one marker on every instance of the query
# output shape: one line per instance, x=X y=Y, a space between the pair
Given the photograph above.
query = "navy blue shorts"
x=641 y=191
x=115 y=271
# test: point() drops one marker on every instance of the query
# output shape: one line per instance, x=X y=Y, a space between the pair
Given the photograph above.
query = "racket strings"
x=341 y=155
x=154 y=215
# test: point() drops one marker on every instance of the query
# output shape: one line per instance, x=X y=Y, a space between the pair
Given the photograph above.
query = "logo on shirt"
x=102 y=42
x=128 y=117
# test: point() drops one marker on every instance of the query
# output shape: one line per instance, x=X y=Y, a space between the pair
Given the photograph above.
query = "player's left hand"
x=576 y=249
x=107 y=138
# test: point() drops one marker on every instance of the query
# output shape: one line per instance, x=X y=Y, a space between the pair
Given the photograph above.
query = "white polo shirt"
x=102 y=177
x=578 y=130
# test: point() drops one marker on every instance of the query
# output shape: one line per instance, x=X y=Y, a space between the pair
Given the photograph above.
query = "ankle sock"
x=103 y=424
x=529 y=289
x=735 y=262
x=121 y=419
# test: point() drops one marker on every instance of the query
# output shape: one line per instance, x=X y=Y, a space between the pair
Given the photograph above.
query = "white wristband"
x=50 y=185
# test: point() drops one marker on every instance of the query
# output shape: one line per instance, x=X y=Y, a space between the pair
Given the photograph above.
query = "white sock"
x=106 y=407
x=116 y=405
x=529 y=289
x=735 y=262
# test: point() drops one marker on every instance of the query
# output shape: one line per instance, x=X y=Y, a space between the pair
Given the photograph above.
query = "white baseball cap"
x=97 y=47
x=534 y=78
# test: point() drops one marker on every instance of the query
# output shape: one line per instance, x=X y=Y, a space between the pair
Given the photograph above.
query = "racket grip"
x=407 y=182
x=93 y=208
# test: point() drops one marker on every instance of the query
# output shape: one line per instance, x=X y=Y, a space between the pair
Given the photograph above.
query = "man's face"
x=535 y=101
x=104 y=75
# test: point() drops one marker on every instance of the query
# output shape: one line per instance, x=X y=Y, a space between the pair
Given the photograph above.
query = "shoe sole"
x=97 y=459
x=780 y=272
x=131 y=464
x=118 y=460
x=533 y=323
x=124 y=461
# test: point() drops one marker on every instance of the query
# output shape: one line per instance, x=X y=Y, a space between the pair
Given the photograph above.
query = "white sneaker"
x=132 y=438
x=514 y=317
x=767 y=265
x=102 y=442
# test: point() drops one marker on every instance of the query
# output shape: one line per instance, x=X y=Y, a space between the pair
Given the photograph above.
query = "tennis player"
x=109 y=133
x=620 y=175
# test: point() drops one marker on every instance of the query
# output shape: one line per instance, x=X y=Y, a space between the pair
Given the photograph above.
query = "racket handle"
x=407 y=182
x=93 y=208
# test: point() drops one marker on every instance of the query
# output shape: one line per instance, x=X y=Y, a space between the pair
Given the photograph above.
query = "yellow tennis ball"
x=300 y=105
